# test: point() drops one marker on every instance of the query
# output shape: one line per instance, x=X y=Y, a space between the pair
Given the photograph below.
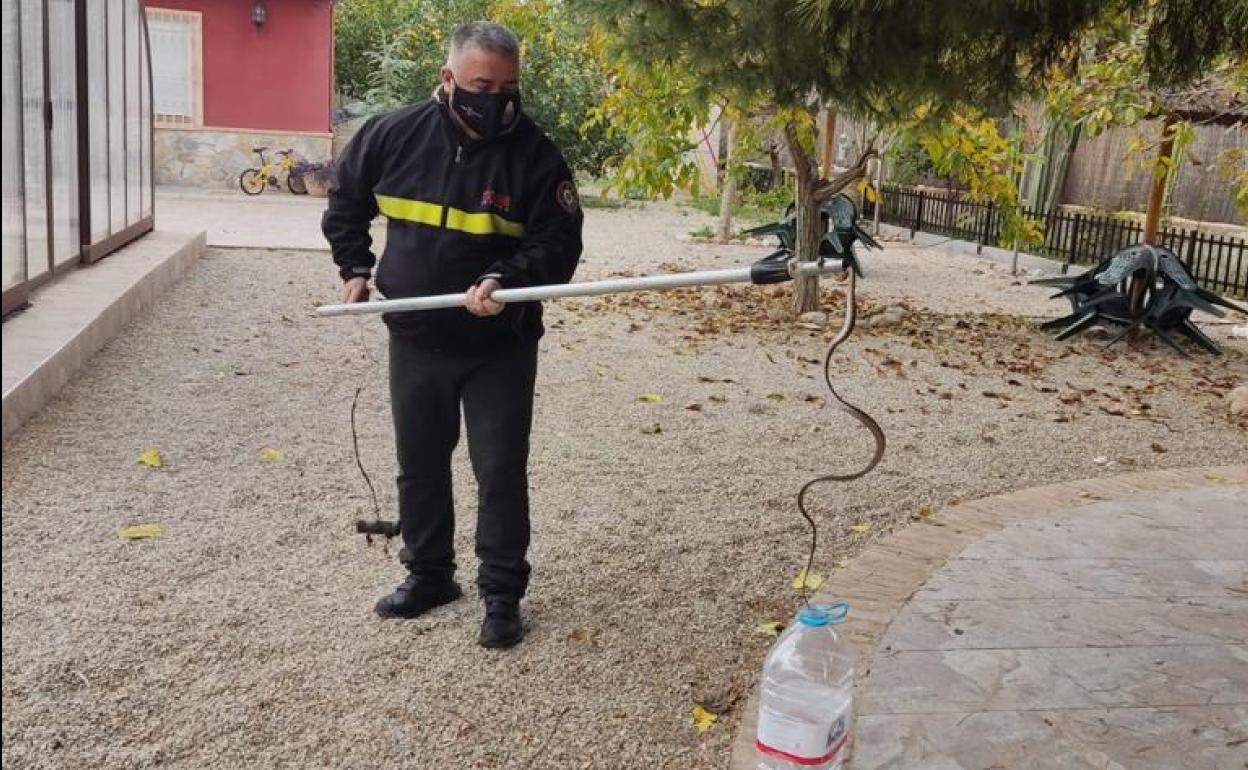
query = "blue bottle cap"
x=816 y=615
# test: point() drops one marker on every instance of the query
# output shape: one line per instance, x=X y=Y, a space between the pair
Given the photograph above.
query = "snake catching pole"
x=759 y=273
x=773 y=269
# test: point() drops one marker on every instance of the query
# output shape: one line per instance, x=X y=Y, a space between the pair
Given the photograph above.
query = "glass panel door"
x=14 y=230
x=98 y=107
x=62 y=89
x=35 y=138
x=117 y=113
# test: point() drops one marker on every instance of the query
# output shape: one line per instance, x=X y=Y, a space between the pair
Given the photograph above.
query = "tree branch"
x=826 y=188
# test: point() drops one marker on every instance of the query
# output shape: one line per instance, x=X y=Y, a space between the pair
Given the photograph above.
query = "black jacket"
x=457 y=210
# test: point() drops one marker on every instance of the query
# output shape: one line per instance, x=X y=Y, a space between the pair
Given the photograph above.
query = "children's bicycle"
x=254 y=181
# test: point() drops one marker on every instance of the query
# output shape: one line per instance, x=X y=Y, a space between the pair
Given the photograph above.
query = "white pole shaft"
x=561 y=290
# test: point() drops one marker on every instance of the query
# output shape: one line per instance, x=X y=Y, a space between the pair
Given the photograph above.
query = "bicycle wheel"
x=251 y=182
x=296 y=184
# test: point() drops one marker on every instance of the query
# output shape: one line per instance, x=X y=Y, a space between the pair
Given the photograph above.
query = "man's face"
x=482 y=72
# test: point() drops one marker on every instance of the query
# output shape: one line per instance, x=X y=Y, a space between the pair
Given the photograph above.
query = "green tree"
x=389 y=53
x=860 y=57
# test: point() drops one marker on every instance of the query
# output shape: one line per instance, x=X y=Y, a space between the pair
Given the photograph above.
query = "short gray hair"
x=483 y=35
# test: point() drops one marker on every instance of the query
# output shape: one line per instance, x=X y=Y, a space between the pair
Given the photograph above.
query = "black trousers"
x=496 y=390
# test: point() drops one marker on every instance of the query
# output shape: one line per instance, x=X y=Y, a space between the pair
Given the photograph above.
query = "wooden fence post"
x=1073 y=251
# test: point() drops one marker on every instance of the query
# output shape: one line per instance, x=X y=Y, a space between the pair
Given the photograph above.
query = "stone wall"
x=215 y=157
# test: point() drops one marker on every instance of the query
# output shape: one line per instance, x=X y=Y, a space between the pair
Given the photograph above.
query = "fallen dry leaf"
x=271 y=455
x=770 y=628
x=1158 y=448
x=140 y=531
x=653 y=429
x=1218 y=479
x=811 y=581
x=703 y=720
x=775 y=396
x=584 y=635
x=860 y=528
x=152 y=458
x=649 y=398
x=695 y=407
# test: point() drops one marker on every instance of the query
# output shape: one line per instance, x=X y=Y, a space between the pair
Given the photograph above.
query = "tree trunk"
x=879 y=189
x=809 y=226
x=1152 y=219
x=1157 y=195
x=828 y=160
x=777 y=171
x=728 y=190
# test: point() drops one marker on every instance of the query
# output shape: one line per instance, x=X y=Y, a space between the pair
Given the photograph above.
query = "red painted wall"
x=278 y=77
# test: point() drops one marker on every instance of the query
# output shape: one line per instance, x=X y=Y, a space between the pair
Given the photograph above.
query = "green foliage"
x=971 y=148
x=887 y=55
x=651 y=114
x=908 y=160
x=414 y=30
x=1233 y=167
x=591 y=201
x=390 y=53
x=769 y=204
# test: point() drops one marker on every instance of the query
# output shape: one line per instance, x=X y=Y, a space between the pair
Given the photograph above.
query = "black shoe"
x=502 y=626
x=416 y=596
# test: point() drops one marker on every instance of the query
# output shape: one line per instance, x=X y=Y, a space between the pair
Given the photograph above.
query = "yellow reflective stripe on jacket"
x=476 y=223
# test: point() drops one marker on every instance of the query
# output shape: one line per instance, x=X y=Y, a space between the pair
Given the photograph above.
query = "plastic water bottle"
x=806 y=711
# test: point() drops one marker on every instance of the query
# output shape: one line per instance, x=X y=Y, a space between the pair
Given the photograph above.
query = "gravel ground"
x=664 y=532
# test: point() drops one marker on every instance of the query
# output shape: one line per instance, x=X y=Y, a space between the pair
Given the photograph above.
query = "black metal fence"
x=1219 y=262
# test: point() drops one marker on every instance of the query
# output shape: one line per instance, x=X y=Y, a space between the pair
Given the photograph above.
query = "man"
x=477 y=198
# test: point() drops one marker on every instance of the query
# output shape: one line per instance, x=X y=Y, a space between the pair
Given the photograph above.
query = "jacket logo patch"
x=491 y=199
x=567 y=197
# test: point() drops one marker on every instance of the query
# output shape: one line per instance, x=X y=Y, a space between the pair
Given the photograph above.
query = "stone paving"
x=1114 y=635
x=1094 y=624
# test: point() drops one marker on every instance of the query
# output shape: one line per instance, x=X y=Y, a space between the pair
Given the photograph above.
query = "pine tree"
x=885 y=58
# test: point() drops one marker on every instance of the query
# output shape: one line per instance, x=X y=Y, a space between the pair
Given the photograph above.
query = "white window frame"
x=193 y=20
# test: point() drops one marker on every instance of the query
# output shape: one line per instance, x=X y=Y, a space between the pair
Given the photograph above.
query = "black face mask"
x=489 y=115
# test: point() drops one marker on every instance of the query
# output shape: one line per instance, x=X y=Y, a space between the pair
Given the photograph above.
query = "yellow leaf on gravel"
x=703 y=719
x=811 y=581
x=841 y=563
x=271 y=455
x=652 y=430
x=770 y=628
x=151 y=458
x=775 y=396
x=1219 y=479
x=649 y=398
x=860 y=528
x=584 y=634
x=140 y=531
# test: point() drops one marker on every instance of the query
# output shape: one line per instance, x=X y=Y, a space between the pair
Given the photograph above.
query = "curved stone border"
x=883 y=578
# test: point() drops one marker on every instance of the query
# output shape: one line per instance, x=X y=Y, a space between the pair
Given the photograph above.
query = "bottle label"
x=799 y=741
